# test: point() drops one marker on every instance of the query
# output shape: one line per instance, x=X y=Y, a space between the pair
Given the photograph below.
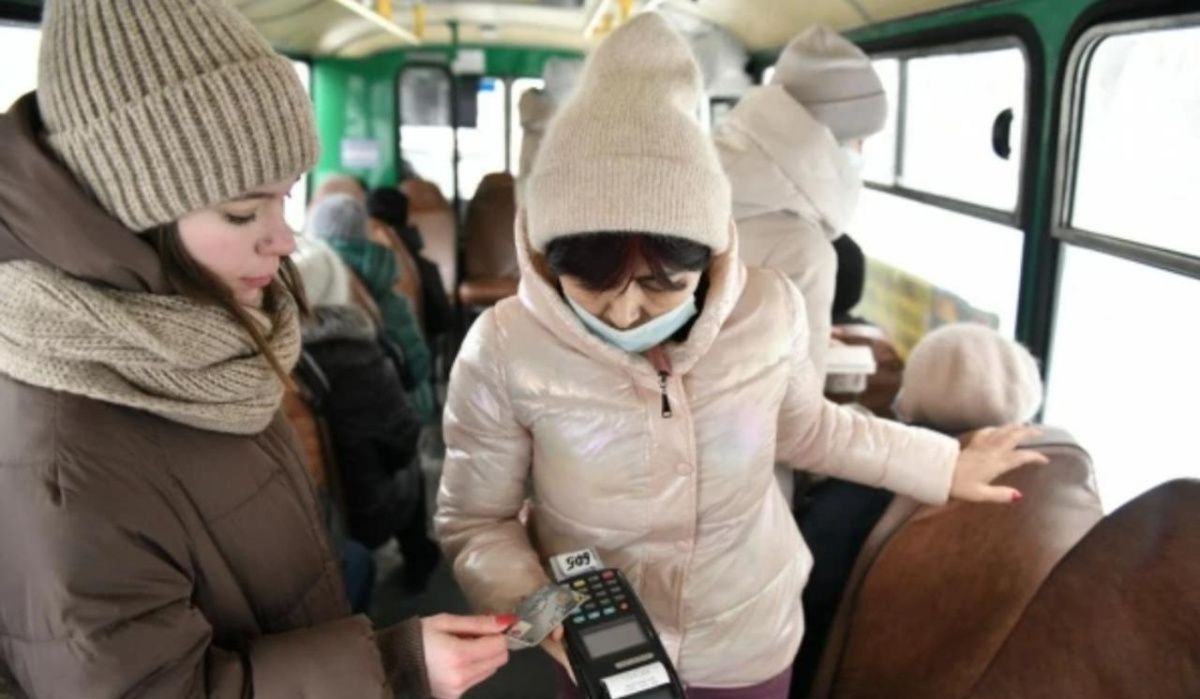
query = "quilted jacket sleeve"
x=99 y=604
x=820 y=436
x=488 y=457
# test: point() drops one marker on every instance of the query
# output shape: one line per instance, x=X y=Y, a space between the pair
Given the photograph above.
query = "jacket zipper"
x=663 y=377
x=662 y=363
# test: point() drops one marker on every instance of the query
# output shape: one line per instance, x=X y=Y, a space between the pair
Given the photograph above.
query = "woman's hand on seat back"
x=988 y=454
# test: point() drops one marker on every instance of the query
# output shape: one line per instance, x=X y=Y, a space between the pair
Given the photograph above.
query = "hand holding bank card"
x=540 y=613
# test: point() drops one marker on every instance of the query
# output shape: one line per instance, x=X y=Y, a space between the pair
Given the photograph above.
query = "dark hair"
x=851 y=275
x=388 y=205
x=192 y=280
x=603 y=261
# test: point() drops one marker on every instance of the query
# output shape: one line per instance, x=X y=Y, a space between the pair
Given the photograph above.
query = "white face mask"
x=854 y=157
x=646 y=336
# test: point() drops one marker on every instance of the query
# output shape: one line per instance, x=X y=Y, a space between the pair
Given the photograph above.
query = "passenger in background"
x=959 y=378
x=374 y=430
x=536 y=108
x=965 y=377
x=338 y=183
x=158 y=530
x=389 y=206
x=849 y=282
x=341 y=221
x=645 y=382
x=793 y=153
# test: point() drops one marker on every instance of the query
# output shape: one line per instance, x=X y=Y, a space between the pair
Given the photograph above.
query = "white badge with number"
x=637 y=680
x=568 y=565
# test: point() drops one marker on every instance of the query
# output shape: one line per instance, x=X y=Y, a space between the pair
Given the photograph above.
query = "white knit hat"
x=325 y=277
x=967 y=376
x=626 y=152
x=835 y=82
x=338 y=217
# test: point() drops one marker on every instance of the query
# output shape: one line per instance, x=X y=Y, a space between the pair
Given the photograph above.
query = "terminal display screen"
x=607 y=640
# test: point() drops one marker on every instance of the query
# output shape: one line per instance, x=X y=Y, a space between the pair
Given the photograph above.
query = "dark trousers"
x=835 y=517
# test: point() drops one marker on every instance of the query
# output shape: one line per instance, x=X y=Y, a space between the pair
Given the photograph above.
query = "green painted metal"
x=356 y=98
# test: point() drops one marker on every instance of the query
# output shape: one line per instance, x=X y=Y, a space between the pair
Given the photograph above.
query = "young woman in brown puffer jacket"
x=159 y=532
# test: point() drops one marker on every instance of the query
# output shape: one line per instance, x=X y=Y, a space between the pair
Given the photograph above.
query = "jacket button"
x=684 y=469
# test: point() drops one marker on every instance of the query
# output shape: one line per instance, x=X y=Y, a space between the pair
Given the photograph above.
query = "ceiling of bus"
x=325 y=27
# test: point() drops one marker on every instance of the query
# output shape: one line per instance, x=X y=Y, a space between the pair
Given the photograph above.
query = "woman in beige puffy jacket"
x=646 y=382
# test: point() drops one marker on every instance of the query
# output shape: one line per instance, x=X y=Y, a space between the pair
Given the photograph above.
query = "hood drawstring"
x=662 y=363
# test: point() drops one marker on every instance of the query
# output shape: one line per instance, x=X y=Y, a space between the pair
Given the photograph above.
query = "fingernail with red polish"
x=507 y=619
x=1017 y=496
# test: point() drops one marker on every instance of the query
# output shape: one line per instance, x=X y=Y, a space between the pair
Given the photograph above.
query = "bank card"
x=540 y=613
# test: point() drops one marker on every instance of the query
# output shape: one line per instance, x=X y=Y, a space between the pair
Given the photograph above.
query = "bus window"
x=975 y=259
x=879 y=151
x=951 y=107
x=517 y=134
x=19 y=56
x=940 y=203
x=426 y=139
x=481 y=142
x=296 y=205
x=1139 y=148
x=1123 y=374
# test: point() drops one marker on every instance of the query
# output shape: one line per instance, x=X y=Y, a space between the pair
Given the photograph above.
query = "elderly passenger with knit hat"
x=341 y=221
x=159 y=531
x=645 y=382
x=966 y=377
x=792 y=151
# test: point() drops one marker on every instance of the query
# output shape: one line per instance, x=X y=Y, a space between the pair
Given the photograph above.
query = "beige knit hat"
x=967 y=376
x=626 y=152
x=835 y=82
x=162 y=107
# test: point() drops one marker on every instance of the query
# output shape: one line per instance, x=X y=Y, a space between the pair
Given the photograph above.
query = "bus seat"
x=429 y=211
x=408 y=283
x=1120 y=614
x=491 y=255
x=937 y=590
x=884 y=384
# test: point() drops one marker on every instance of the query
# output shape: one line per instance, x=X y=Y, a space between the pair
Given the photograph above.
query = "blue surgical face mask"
x=645 y=336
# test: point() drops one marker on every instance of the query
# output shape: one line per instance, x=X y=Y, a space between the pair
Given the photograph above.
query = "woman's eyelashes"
x=239 y=220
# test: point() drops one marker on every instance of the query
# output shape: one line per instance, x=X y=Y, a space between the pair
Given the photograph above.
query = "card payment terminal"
x=612 y=645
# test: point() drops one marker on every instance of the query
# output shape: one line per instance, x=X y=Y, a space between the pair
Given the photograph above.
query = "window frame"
x=1070 y=140
x=399 y=107
x=1014 y=218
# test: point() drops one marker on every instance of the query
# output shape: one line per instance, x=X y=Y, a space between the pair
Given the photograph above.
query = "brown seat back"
x=408 y=283
x=1120 y=614
x=491 y=250
x=937 y=590
x=429 y=211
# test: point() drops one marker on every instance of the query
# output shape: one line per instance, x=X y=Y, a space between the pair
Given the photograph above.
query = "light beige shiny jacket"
x=685 y=505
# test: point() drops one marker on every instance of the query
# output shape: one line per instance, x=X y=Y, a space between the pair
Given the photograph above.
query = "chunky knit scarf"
x=185 y=361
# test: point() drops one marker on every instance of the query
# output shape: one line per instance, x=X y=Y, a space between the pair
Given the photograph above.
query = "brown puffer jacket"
x=145 y=558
